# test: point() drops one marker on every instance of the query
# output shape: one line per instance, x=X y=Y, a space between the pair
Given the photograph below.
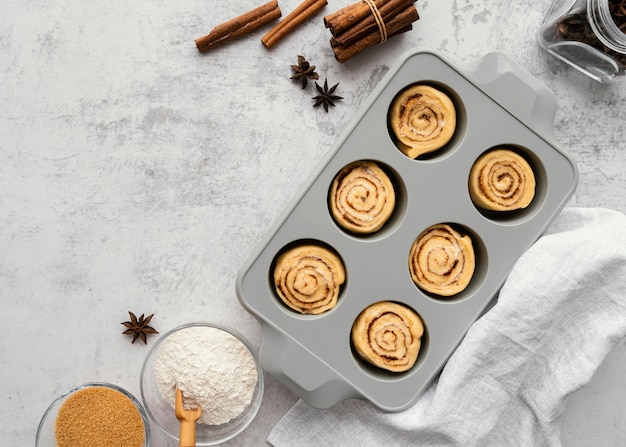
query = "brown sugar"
x=99 y=417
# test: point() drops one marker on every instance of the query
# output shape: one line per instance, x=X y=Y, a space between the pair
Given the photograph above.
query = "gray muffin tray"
x=498 y=103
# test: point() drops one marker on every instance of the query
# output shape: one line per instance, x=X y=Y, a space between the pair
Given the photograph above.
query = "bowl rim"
x=112 y=386
x=259 y=388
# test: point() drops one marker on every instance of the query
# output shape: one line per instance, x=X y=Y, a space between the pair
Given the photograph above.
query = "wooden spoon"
x=187 y=420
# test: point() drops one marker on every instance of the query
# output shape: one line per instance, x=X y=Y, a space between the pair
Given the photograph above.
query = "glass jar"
x=589 y=35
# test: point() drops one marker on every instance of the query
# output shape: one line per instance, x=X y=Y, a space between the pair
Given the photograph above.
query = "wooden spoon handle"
x=187 y=433
x=187 y=418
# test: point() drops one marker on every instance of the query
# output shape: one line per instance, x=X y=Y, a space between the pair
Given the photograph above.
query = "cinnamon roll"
x=423 y=120
x=362 y=197
x=388 y=335
x=308 y=278
x=501 y=180
x=442 y=260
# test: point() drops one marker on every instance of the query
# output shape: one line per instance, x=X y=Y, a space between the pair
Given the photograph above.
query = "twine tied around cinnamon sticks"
x=368 y=22
x=379 y=20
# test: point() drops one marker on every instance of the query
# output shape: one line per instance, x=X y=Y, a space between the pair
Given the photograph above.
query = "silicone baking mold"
x=498 y=104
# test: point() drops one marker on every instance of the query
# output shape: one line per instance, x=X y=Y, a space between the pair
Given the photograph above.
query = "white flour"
x=212 y=368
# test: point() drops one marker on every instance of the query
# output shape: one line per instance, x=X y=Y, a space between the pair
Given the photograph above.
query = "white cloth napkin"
x=561 y=310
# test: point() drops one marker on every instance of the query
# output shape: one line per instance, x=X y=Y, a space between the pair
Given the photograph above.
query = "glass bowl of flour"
x=216 y=368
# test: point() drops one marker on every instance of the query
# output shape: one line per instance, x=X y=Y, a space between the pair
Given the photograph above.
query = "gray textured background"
x=136 y=174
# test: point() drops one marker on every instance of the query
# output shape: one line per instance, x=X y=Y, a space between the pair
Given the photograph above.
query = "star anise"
x=304 y=71
x=139 y=327
x=326 y=97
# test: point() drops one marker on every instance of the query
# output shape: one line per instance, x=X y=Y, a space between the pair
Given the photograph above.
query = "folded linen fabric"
x=559 y=313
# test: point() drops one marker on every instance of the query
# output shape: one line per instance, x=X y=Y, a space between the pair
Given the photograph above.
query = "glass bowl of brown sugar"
x=97 y=414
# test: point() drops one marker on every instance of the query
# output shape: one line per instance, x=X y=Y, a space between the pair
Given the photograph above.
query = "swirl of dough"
x=423 y=120
x=362 y=197
x=308 y=278
x=442 y=260
x=388 y=335
x=501 y=180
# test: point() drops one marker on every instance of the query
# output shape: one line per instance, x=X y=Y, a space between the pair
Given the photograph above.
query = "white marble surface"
x=136 y=174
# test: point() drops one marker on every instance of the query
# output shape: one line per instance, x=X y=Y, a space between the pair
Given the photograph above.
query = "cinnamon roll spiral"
x=362 y=197
x=501 y=180
x=423 y=120
x=442 y=260
x=308 y=278
x=388 y=335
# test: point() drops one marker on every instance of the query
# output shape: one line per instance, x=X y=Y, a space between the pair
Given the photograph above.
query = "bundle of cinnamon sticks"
x=366 y=23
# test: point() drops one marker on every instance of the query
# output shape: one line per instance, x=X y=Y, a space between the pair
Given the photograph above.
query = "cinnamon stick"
x=368 y=24
x=399 y=24
x=239 y=26
x=303 y=12
x=345 y=18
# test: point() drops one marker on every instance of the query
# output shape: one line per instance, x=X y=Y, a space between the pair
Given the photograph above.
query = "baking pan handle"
x=515 y=89
x=301 y=371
